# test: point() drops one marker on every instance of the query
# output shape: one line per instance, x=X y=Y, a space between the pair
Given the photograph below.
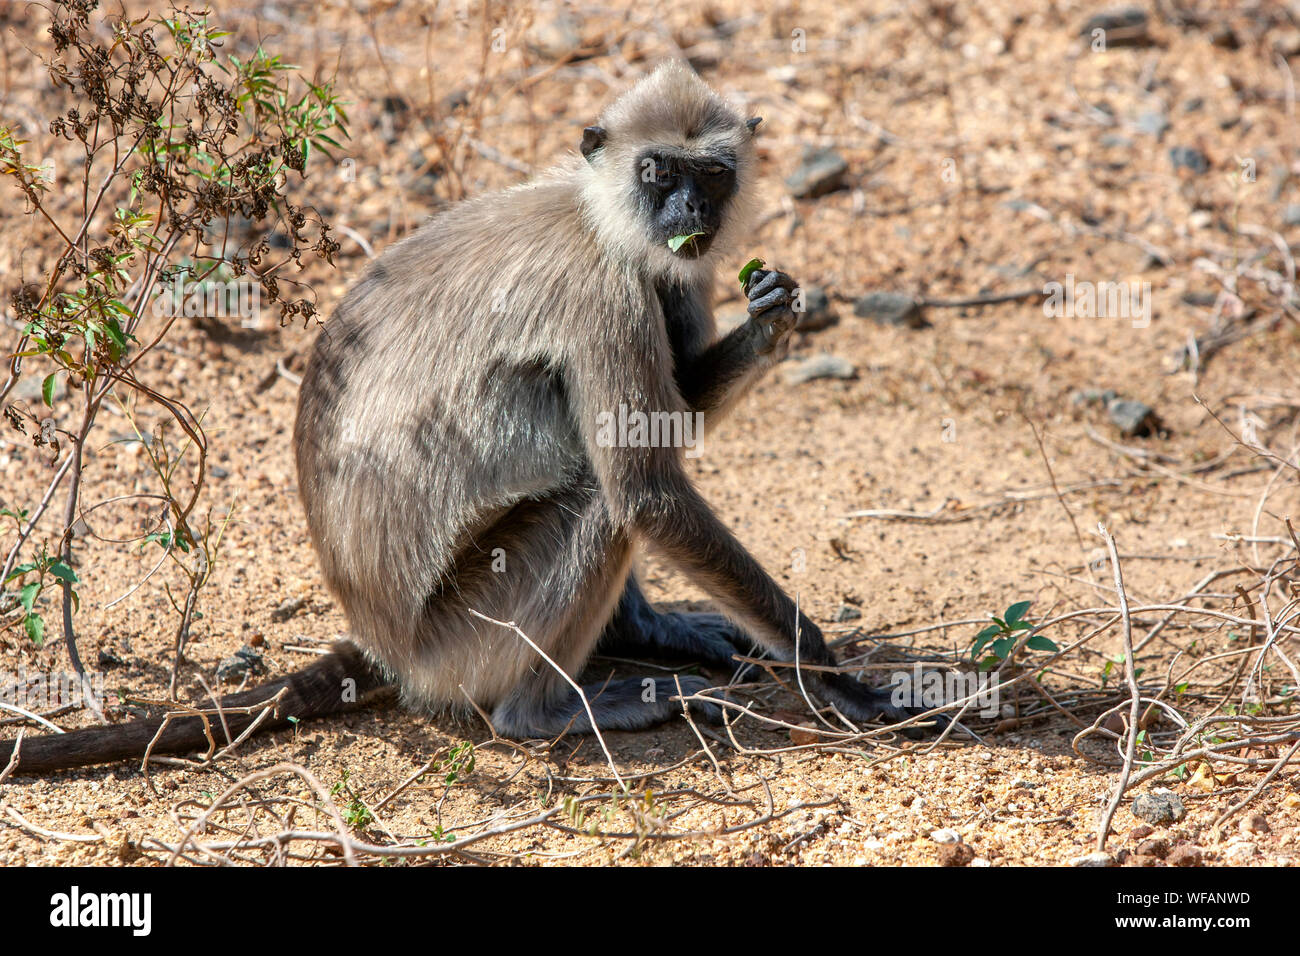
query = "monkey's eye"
x=714 y=170
x=663 y=176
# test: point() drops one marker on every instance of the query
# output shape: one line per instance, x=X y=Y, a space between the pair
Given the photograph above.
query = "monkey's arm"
x=673 y=517
x=721 y=373
x=647 y=492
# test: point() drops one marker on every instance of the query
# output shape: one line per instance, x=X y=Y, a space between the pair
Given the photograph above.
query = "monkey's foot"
x=631 y=704
x=711 y=639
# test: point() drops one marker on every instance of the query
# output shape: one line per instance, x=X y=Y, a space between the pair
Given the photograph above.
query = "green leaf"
x=164 y=538
x=28 y=595
x=982 y=638
x=748 y=268
x=63 y=572
x=1017 y=611
x=116 y=337
x=20 y=570
x=1040 y=643
x=47 y=388
x=35 y=629
x=676 y=242
x=1002 y=647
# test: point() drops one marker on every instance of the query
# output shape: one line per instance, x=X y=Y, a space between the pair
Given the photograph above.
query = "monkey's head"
x=670 y=158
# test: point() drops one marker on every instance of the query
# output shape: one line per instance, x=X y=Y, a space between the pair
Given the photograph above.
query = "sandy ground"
x=992 y=154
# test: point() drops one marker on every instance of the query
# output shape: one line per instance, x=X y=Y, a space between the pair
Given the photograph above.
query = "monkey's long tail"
x=315 y=691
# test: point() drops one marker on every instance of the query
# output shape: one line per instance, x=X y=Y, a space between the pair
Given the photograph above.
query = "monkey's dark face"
x=686 y=196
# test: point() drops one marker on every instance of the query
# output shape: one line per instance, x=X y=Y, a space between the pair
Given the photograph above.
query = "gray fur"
x=450 y=409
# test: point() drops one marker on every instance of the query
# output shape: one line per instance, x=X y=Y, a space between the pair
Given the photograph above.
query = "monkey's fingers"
x=777 y=297
x=701 y=709
x=864 y=704
x=763 y=281
x=934 y=724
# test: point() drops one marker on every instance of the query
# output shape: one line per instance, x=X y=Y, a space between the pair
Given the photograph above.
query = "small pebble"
x=847 y=612
x=819 y=366
x=890 y=308
x=817 y=313
x=287 y=609
x=1189 y=158
x=821 y=171
x=1158 y=808
x=1157 y=848
x=1184 y=855
x=1255 y=823
x=956 y=854
x=1241 y=852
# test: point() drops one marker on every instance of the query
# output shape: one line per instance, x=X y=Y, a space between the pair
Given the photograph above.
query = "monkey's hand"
x=771 y=297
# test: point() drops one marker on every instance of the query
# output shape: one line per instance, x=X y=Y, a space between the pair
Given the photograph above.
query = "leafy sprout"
x=1001 y=636
x=748 y=269
x=676 y=242
x=30 y=589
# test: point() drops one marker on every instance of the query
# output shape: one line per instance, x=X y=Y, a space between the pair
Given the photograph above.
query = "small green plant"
x=355 y=814
x=459 y=761
x=437 y=835
x=1001 y=636
x=574 y=812
x=32 y=581
x=1143 y=752
x=181 y=161
x=1249 y=710
x=1118 y=661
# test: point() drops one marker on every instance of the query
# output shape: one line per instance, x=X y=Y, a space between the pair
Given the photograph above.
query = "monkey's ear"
x=752 y=124
x=593 y=138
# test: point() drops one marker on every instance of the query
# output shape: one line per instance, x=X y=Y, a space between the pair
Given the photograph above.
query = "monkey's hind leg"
x=583 y=562
x=638 y=630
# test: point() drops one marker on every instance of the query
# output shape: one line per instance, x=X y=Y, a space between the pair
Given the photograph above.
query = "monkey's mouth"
x=694 y=247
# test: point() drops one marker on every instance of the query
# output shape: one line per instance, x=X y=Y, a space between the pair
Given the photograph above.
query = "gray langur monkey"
x=451 y=456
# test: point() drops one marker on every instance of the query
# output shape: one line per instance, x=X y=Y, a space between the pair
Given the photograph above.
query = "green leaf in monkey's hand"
x=676 y=242
x=748 y=269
